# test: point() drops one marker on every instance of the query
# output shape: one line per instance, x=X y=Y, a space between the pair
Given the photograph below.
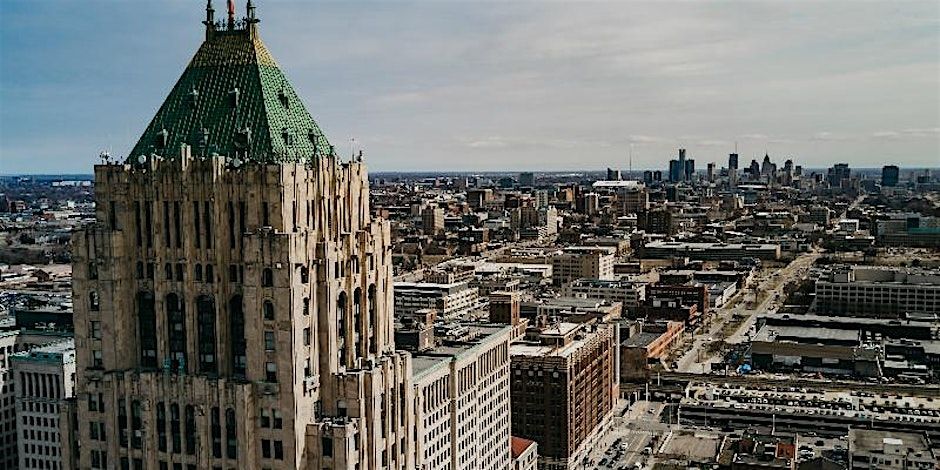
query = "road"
x=697 y=359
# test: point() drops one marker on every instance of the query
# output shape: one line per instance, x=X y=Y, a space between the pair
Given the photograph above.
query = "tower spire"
x=231 y=14
x=210 y=19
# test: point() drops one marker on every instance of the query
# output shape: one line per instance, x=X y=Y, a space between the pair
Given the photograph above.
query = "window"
x=270 y=372
x=92 y=271
x=175 y=428
x=307 y=336
x=96 y=329
x=268 y=310
x=166 y=224
x=180 y=270
x=266 y=448
x=137 y=228
x=93 y=301
x=239 y=360
x=122 y=422
x=265 y=418
x=306 y=306
x=168 y=271
x=97 y=361
x=232 y=273
x=278 y=419
x=216 y=433
x=210 y=274
x=207 y=217
x=373 y=319
x=147 y=329
x=269 y=341
x=176 y=322
x=326 y=443
x=197 y=272
x=148 y=218
x=278 y=450
x=231 y=434
x=136 y=425
x=304 y=274
x=198 y=236
x=161 y=426
x=177 y=224
x=205 y=316
x=267 y=278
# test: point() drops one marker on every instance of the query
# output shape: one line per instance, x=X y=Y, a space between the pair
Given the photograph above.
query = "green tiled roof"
x=234 y=100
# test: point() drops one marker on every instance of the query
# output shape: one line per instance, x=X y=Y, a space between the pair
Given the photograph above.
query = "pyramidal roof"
x=234 y=100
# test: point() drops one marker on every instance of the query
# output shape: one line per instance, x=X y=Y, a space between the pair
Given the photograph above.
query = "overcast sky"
x=502 y=85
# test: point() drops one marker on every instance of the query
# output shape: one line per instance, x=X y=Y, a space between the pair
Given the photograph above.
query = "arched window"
x=231 y=434
x=205 y=313
x=373 y=319
x=239 y=345
x=267 y=278
x=93 y=301
x=176 y=324
x=190 y=430
x=161 y=426
x=175 y=428
x=147 y=329
x=268 y=310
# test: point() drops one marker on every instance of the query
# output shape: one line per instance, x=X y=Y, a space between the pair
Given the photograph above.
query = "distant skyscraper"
x=613 y=175
x=711 y=172
x=648 y=177
x=527 y=179
x=890 y=174
x=838 y=175
x=676 y=171
x=733 y=161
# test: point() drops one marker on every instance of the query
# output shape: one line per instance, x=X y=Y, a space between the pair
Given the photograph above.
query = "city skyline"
x=505 y=87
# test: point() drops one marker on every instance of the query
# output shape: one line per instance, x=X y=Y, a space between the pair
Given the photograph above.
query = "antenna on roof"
x=631 y=159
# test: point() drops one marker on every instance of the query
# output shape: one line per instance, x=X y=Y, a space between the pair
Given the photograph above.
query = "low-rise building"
x=582 y=262
x=450 y=300
x=711 y=251
x=630 y=294
x=879 y=292
x=889 y=450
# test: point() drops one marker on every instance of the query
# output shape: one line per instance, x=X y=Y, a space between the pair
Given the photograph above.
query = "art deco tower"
x=233 y=297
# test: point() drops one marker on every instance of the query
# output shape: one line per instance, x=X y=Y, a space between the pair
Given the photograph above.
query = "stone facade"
x=236 y=311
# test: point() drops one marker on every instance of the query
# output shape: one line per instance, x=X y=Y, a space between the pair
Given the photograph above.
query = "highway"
x=696 y=359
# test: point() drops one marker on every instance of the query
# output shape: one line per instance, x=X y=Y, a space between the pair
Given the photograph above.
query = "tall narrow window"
x=190 y=430
x=231 y=225
x=373 y=319
x=161 y=426
x=268 y=310
x=239 y=345
x=175 y=428
x=341 y=327
x=122 y=422
x=137 y=425
x=112 y=215
x=177 y=224
x=94 y=302
x=294 y=215
x=205 y=313
x=357 y=320
x=148 y=222
x=242 y=224
x=137 y=228
x=210 y=274
x=216 y=426
x=166 y=223
x=147 y=326
x=231 y=434
x=176 y=322
x=196 y=223
x=265 y=220
x=267 y=278
x=207 y=215
x=197 y=272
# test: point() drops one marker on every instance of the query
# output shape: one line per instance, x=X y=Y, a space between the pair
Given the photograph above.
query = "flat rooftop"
x=640 y=340
x=801 y=334
x=867 y=440
x=422 y=362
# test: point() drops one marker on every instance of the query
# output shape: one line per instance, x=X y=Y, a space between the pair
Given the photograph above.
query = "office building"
x=462 y=393
x=890 y=175
x=527 y=179
x=879 y=292
x=45 y=379
x=711 y=251
x=451 y=301
x=233 y=298
x=630 y=294
x=565 y=381
x=889 y=450
x=432 y=220
x=582 y=262
x=838 y=175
